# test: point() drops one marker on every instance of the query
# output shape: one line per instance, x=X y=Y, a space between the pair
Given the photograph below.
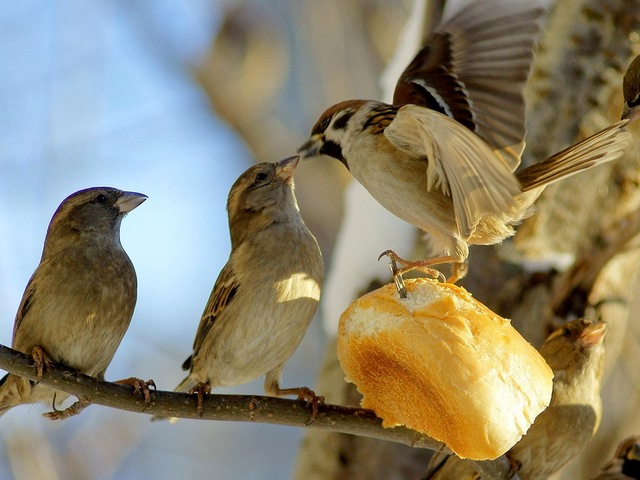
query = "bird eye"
x=101 y=199
x=566 y=332
x=260 y=177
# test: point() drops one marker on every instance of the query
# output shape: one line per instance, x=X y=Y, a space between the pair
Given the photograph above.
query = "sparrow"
x=625 y=465
x=266 y=294
x=79 y=301
x=631 y=90
x=442 y=156
x=575 y=353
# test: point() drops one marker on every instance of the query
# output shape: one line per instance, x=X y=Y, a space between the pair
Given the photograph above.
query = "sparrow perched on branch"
x=79 y=302
x=442 y=156
x=631 y=90
x=266 y=294
x=625 y=465
x=575 y=353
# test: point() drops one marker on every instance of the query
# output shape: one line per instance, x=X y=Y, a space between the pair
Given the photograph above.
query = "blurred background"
x=174 y=99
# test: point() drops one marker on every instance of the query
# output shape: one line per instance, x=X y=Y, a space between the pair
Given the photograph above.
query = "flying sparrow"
x=625 y=465
x=575 y=353
x=79 y=302
x=266 y=294
x=442 y=157
x=631 y=90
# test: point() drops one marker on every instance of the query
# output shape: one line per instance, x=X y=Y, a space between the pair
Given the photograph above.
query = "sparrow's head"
x=575 y=345
x=631 y=91
x=332 y=130
x=93 y=213
x=262 y=195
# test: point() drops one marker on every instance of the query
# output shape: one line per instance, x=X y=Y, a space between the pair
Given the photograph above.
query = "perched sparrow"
x=266 y=294
x=631 y=90
x=443 y=156
x=575 y=353
x=625 y=465
x=78 y=304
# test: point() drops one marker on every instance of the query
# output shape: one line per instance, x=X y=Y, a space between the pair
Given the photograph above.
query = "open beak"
x=312 y=147
x=286 y=167
x=128 y=201
x=593 y=334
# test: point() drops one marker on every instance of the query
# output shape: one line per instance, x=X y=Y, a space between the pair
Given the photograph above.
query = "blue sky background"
x=100 y=93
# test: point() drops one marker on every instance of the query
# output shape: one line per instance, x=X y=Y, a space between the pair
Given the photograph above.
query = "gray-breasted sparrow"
x=79 y=302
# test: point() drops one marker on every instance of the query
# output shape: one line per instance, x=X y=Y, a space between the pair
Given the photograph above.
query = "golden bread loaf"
x=441 y=363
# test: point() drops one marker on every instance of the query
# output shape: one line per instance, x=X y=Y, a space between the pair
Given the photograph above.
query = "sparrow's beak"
x=128 y=201
x=312 y=147
x=593 y=334
x=286 y=167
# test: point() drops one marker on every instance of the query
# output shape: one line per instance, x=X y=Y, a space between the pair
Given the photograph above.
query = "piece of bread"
x=443 y=364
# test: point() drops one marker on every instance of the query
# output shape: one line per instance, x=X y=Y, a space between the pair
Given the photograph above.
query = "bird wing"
x=459 y=164
x=26 y=302
x=474 y=68
x=223 y=293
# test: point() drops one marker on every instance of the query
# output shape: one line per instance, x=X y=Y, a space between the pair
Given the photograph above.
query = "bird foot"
x=42 y=361
x=201 y=389
x=307 y=395
x=408 y=265
x=139 y=387
x=70 y=411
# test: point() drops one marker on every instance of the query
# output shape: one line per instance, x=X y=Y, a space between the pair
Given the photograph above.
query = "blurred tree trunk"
x=575 y=90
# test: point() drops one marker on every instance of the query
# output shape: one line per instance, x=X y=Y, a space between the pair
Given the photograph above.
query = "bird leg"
x=303 y=393
x=41 y=360
x=201 y=389
x=139 y=387
x=408 y=265
x=70 y=411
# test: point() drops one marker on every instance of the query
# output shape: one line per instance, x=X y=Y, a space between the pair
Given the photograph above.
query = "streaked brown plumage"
x=443 y=156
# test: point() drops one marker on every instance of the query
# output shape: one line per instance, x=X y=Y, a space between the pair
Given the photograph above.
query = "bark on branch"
x=238 y=408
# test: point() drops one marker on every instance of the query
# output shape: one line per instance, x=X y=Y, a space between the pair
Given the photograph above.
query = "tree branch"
x=238 y=408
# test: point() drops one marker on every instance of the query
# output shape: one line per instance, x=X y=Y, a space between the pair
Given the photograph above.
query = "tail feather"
x=13 y=390
x=601 y=147
x=186 y=385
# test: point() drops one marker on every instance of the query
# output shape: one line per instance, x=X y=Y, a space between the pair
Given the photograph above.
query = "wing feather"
x=458 y=163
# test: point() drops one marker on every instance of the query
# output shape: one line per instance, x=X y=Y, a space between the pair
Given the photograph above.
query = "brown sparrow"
x=266 y=294
x=78 y=304
x=631 y=90
x=575 y=353
x=625 y=465
x=442 y=157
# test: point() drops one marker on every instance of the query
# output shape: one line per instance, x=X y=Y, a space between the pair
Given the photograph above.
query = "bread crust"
x=442 y=363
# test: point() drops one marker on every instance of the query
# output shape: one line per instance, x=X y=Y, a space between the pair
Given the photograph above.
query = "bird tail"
x=12 y=392
x=186 y=385
x=601 y=147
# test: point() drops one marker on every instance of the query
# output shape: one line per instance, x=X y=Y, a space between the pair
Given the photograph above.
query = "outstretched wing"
x=474 y=68
x=458 y=163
